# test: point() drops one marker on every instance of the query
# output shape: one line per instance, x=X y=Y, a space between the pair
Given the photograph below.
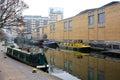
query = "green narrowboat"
x=37 y=60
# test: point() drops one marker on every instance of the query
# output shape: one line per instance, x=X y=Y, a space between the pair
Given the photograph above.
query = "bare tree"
x=10 y=12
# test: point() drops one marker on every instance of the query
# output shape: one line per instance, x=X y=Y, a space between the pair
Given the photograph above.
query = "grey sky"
x=71 y=7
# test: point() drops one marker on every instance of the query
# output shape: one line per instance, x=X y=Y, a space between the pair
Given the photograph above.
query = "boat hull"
x=34 y=60
x=50 y=44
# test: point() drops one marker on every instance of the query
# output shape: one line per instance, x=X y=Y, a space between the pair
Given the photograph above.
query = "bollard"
x=34 y=70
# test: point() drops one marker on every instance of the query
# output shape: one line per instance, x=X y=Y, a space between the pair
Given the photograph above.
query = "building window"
x=101 y=17
x=33 y=26
x=101 y=75
x=70 y=25
x=52 y=27
x=91 y=20
x=45 y=22
x=35 y=30
x=90 y=74
x=65 y=64
x=2 y=1
x=70 y=66
x=65 y=26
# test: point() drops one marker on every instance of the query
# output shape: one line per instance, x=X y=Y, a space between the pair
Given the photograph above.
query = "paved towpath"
x=11 y=69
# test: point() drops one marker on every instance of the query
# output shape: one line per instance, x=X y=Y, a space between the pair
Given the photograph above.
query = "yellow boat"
x=76 y=46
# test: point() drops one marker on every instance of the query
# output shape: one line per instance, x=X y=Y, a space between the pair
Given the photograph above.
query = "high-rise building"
x=34 y=22
x=31 y=22
x=55 y=14
x=2 y=1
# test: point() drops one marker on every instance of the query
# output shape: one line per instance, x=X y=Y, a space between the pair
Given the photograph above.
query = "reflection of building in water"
x=84 y=66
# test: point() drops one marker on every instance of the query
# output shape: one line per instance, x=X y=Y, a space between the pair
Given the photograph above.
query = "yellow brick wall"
x=92 y=32
x=81 y=31
x=59 y=30
x=112 y=29
x=83 y=27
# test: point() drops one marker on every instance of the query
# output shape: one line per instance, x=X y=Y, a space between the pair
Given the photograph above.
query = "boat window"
x=116 y=47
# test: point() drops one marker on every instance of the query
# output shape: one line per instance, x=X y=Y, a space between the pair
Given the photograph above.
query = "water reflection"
x=61 y=74
x=92 y=66
x=85 y=66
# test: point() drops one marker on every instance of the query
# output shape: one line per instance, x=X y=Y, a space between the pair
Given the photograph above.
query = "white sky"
x=71 y=7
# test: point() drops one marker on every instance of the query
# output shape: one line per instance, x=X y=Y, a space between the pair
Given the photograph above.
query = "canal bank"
x=14 y=70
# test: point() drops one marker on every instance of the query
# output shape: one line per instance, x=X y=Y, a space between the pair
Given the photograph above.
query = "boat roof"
x=26 y=52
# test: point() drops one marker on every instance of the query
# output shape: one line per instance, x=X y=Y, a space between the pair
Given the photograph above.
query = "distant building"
x=55 y=14
x=2 y=1
x=37 y=33
x=34 y=22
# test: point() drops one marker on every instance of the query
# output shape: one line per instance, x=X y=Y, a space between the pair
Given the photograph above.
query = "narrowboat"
x=50 y=44
x=35 y=59
x=76 y=46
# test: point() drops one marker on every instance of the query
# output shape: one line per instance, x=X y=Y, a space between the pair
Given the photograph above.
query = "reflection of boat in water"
x=50 y=44
x=111 y=53
x=35 y=59
x=76 y=53
x=76 y=46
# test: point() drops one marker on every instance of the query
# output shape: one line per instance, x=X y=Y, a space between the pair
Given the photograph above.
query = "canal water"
x=73 y=65
x=84 y=66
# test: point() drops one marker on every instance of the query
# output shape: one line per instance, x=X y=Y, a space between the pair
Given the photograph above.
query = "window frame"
x=90 y=19
x=101 y=18
x=65 y=26
x=70 y=25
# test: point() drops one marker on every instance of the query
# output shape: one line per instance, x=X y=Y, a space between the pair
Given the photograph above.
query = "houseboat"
x=75 y=46
x=35 y=59
x=50 y=44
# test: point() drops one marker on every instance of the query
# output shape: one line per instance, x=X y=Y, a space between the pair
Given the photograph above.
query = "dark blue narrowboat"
x=50 y=44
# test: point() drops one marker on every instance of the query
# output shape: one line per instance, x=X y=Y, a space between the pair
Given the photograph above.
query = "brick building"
x=99 y=25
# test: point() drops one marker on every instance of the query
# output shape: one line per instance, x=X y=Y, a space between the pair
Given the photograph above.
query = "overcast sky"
x=71 y=7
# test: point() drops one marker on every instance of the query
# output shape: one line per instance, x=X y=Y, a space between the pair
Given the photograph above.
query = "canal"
x=84 y=66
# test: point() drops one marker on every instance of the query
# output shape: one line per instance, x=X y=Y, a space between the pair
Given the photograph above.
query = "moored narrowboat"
x=37 y=60
x=50 y=44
